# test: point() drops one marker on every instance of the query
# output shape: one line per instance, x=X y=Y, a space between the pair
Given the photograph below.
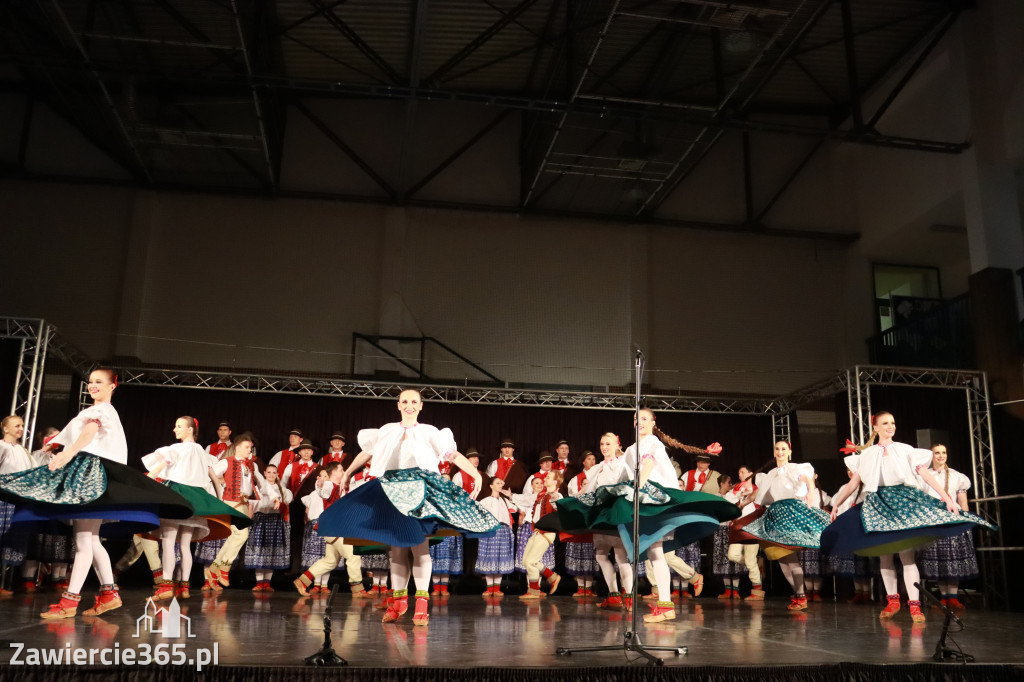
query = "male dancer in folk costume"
x=541 y=541
x=466 y=481
x=561 y=457
x=507 y=467
x=236 y=474
x=296 y=477
x=337 y=452
x=544 y=468
x=223 y=440
x=525 y=505
x=407 y=501
x=745 y=554
x=282 y=458
x=14 y=458
x=336 y=549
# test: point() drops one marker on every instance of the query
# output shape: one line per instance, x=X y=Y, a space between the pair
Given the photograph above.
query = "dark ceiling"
x=609 y=95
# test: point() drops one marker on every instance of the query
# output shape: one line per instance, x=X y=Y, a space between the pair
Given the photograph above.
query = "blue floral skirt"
x=446 y=556
x=90 y=487
x=949 y=559
x=894 y=519
x=14 y=541
x=496 y=554
x=206 y=552
x=580 y=559
x=789 y=524
x=377 y=562
x=313 y=546
x=268 y=546
x=403 y=507
x=720 y=557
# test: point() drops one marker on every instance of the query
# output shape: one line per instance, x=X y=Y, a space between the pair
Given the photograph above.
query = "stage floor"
x=466 y=631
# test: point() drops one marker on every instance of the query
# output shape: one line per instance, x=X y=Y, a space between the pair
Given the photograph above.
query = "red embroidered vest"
x=233 y=479
x=503 y=467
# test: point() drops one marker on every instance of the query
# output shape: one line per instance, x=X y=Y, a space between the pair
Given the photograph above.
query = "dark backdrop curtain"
x=148 y=415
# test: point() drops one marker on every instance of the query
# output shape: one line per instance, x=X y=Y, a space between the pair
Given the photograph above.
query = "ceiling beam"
x=607 y=218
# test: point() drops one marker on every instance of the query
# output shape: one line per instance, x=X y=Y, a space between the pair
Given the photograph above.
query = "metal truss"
x=348 y=388
x=39 y=341
x=781 y=428
x=857 y=382
x=35 y=337
x=986 y=486
x=858 y=393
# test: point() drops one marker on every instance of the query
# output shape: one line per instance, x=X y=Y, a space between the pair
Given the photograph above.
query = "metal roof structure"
x=612 y=98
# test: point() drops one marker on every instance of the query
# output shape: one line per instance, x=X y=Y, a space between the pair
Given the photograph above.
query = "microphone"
x=945 y=609
x=637 y=353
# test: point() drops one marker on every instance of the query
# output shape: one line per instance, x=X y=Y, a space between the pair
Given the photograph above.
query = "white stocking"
x=888 y=569
x=422 y=566
x=911 y=576
x=168 y=538
x=662 y=576
x=793 y=571
x=400 y=568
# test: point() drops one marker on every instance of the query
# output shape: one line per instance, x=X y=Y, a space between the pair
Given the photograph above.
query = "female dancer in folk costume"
x=744 y=554
x=666 y=512
x=524 y=504
x=14 y=458
x=187 y=470
x=541 y=541
x=237 y=477
x=313 y=546
x=949 y=560
x=896 y=517
x=269 y=545
x=786 y=522
x=580 y=561
x=496 y=554
x=89 y=483
x=611 y=471
x=408 y=501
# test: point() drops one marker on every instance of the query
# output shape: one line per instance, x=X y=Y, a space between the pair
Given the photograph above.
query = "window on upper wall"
x=903 y=292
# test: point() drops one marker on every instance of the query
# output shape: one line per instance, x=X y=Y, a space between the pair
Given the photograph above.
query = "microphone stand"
x=631 y=638
x=943 y=653
x=326 y=656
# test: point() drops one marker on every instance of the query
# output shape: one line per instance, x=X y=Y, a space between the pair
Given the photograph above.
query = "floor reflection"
x=468 y=631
